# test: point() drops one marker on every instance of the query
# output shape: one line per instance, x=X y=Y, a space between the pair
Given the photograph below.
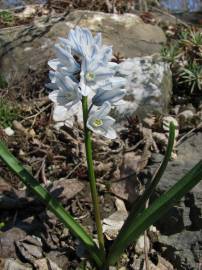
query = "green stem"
x=91 y=174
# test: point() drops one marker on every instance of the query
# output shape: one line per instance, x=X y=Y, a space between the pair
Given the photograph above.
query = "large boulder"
x=182 y=249
x=31 y=45
x=149 y=87
x=6 y=4
x=149 y=79
x=181 y=238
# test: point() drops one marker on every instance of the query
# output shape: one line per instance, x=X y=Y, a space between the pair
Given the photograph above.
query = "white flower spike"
x=99 y=122
x=83 y=70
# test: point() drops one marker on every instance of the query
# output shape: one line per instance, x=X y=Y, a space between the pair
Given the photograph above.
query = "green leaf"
x=159 y=207
x=139 y=205
x=51 y=203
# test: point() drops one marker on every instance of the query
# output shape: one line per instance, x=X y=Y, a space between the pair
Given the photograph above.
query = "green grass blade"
x=51 y=203
x=150 y=215
x=139 y=204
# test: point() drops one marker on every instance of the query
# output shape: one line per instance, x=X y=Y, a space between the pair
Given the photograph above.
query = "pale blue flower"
x=112 y=96
x=82 y=42
x=99 y=59
x=52 y=85
x=110 y=90
x=101 y=123
x=64 y=58
x=56 y=65
x=113 y=83
x=63 y=116
x=66 y=92
x=93 y=66
x=83 y=67
x=96 y=70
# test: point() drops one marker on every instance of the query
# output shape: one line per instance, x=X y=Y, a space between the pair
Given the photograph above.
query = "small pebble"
x=9 y=131
x=139 y=247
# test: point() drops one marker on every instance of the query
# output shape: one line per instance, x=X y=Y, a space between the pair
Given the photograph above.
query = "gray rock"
x=7 y=242
x=60 y=259
x=160 y=263
x=29 y=46
x=11 y=264
x=149 y=86
x=182 y=249
x=181 y=237
x=189 y=153
x=30 y=248
x=182 y=6
x=5 y=4
x=46 y=264
x=149 y=79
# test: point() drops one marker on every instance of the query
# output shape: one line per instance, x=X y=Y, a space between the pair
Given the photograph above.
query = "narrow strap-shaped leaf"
x=51 y=203
x=150 y=215
x=139 y=205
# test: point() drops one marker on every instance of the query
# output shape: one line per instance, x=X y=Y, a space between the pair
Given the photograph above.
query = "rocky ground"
x=30 y=236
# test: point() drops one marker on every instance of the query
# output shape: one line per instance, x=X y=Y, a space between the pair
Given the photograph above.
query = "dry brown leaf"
x=113 y=224
x=46 y=264
x=65 y=189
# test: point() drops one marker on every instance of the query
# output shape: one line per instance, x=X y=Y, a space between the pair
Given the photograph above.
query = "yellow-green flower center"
x=69 y=95
x=90 y=76
x=97 y=123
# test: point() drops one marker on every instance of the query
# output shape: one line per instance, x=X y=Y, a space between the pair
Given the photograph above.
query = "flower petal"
x=111 y=133
x=60 y=114
x=66 y=59
x=52 y=86
x=98 y=39
x=108 y=121
x=53 y=96
x=84 y=88
x=100 y=123
x=111 y=96
x=104 y=110
x=54 y=63
x=80 y=40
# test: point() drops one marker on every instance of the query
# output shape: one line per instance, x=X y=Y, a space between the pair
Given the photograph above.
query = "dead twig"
x=134 y=147
x=36 y=114
x=145 y=244
x=188 y=133
x=43 y=173
x=73 y=170
x=15 y=218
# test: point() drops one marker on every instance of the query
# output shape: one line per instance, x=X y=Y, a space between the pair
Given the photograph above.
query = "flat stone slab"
x=148 y=88
x=29 y=46
x=181 y=227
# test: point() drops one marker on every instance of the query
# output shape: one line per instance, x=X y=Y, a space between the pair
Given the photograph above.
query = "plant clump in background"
x=3 y=82
x=8 y=113
x=184 y=53
x=6 y=18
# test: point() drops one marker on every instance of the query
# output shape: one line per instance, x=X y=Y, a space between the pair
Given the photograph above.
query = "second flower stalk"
x=91 y=175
